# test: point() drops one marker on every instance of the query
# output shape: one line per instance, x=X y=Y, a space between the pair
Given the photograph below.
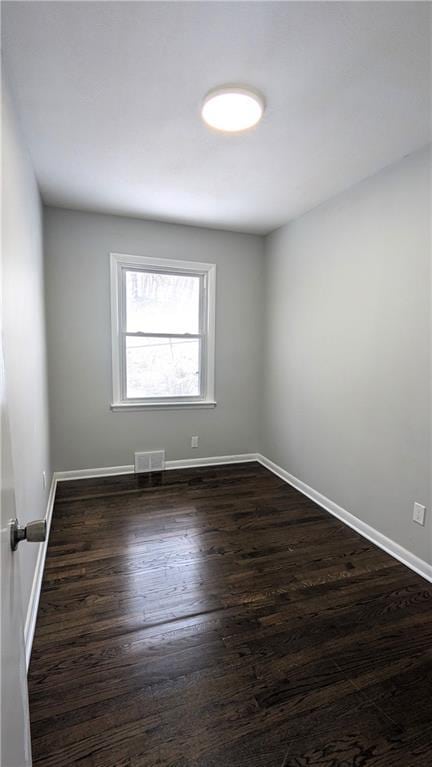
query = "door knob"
x=34 y=532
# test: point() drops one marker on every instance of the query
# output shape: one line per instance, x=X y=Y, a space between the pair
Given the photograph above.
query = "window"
x=162 y=332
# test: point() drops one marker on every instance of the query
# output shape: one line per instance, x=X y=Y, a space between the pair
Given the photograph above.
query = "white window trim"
x=120 y=261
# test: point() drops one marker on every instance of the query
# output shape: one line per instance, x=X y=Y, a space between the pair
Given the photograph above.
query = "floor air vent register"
x=151 y=461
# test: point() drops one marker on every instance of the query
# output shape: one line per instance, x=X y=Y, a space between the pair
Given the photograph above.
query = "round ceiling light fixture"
x=232 y=109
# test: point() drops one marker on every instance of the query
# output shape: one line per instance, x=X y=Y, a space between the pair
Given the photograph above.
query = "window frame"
x=120 y=263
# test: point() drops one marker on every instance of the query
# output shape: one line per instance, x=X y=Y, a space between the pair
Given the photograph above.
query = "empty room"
x=216 y=380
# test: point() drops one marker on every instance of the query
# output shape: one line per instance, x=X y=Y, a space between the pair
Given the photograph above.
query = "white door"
x=15 y=721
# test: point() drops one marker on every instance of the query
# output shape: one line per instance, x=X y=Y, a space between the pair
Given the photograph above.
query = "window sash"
x=176 y=273
x=202 y=335
x=163 y=398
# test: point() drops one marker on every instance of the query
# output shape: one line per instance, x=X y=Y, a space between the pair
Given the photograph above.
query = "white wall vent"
x=151 y=461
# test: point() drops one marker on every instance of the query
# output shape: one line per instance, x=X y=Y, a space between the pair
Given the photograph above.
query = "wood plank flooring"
x=216 y=617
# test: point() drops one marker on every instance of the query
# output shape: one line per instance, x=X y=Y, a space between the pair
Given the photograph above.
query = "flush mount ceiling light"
x=232 y=109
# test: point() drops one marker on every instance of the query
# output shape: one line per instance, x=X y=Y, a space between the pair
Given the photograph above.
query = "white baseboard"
x=185 y=463
x=30 y=622
x=367 y=531
x=105 y=471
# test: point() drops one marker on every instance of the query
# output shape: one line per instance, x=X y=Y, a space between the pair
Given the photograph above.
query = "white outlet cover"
x=419 y=514
x=194 y=441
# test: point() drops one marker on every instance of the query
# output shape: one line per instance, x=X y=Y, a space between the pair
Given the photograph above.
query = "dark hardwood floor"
x=216 y=617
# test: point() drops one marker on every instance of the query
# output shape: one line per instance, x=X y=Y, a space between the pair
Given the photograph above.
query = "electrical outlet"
x=194 y=441
x=419 y=514
x=44 y=479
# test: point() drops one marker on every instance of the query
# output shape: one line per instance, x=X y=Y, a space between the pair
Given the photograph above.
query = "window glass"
x=162 y=367
x=162 y=303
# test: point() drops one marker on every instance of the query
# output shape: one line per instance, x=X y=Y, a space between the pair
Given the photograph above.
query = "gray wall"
x=24 y=343
x=347 y=367
x=85 y=433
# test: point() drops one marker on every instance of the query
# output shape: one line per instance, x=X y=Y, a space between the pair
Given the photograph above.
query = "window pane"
x=162 y=367
x=162 y=303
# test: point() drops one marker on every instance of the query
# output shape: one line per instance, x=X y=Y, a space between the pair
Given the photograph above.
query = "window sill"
x=119 y=407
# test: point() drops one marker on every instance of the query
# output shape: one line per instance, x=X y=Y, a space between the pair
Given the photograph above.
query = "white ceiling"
x=109 y=94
